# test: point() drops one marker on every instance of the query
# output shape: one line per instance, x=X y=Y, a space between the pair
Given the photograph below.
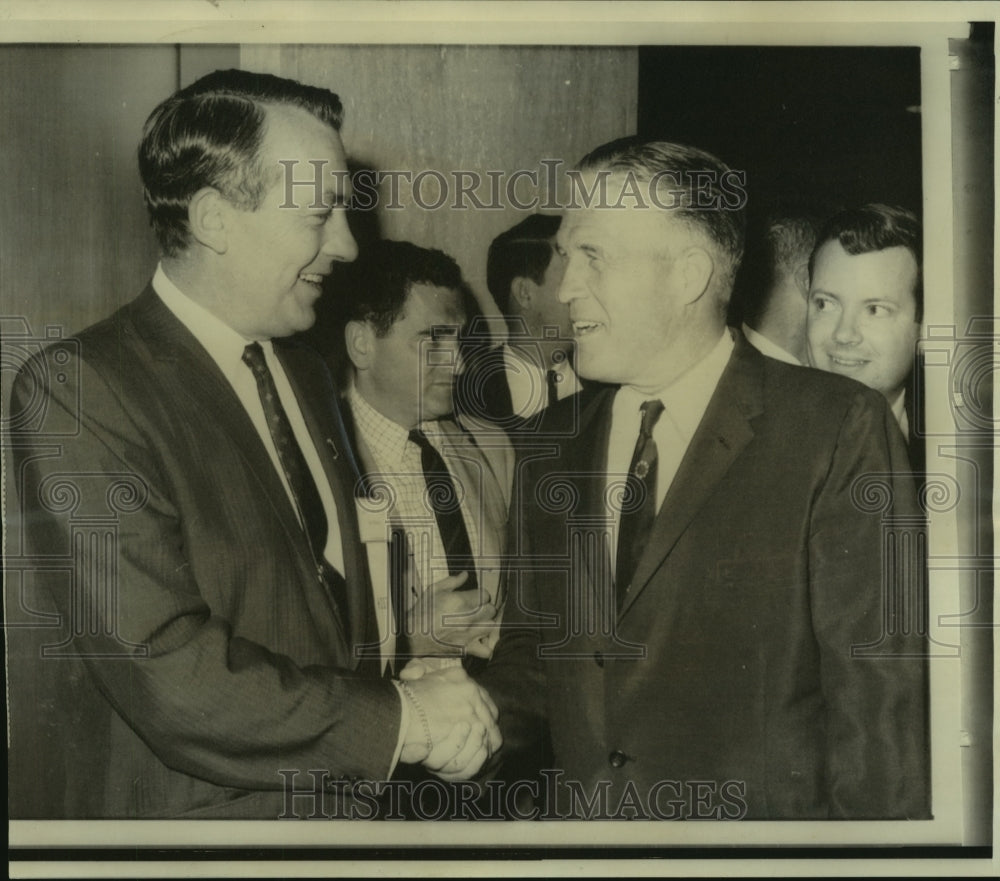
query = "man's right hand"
x=462 y=722
x=446 y=619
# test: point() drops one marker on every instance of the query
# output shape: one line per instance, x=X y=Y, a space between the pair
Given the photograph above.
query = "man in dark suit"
x=512 y=383
x=694 y=614
x=201 y=652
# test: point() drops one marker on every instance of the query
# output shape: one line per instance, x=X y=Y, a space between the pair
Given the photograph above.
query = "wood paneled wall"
x=474 y=108
x=74 y=239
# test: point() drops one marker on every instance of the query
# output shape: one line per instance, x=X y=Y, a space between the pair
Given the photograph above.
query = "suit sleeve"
x=208 y=703
x=868 y=600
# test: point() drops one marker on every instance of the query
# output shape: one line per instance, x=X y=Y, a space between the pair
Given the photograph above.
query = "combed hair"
x=385 y=272
x=209 y=135
x=875 y=227
x=523 y=251
x=724 y=225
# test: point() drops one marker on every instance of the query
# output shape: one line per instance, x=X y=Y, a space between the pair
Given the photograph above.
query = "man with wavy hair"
x=204 y=656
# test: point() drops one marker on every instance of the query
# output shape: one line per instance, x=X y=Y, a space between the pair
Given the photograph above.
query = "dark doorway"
x=828 y=127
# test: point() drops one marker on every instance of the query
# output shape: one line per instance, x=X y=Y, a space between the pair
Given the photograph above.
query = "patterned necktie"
x=639 y=504
x=305 y=496
x=447 y=510
x=552 y=382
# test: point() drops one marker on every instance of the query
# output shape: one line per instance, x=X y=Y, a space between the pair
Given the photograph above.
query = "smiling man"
x=201 y=655
x=694 y=617
x=866 y=301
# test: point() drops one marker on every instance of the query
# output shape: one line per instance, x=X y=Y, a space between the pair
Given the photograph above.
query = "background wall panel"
x=74 y=240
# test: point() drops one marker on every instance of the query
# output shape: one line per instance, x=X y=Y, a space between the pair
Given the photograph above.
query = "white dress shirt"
x=225 y=346
x=684 y=404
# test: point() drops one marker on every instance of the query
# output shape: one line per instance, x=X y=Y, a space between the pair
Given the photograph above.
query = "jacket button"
x=617 y=759
x=599 y=659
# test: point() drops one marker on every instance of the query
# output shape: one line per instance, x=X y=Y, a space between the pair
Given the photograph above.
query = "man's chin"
x=597 y=369
x=300 y=322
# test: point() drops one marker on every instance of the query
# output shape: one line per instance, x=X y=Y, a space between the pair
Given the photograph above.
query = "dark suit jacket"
x=752 y=654
x=202 y=660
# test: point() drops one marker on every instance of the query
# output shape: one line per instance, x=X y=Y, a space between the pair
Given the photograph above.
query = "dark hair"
x=776 y=247
x=384 y=274
x=875 y=227
x=209 y=135
x=523 y=251
x=697 y=189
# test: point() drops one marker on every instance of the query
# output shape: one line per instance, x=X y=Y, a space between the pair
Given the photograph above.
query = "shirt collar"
x=686 y=399
x=387 y=439
x=768 y=347
x=898 y=406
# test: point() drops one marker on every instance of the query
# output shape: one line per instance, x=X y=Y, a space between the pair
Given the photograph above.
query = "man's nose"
x=571 y=287
x=847 y=331
x=338 y=241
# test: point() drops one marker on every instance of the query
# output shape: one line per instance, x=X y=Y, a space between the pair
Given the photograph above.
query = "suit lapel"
x=318 y=401
x=198 y=377
x=721 y=436
x=478 y=480
x=589 y=464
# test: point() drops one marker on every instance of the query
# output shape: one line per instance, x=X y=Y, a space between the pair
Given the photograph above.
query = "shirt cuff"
x=404 y=722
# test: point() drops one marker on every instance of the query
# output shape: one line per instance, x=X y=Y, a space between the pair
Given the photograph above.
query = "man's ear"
x=697 y=269
x=801 y=277
x=522 y=292
x=359 y=339
x=207 y=215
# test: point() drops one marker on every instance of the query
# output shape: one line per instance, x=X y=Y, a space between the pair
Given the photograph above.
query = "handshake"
x=451 y=721
x=450 y=725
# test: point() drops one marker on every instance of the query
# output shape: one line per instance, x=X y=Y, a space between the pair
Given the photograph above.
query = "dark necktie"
x=639 y=504
x=305 y=496
x=552 y=382
x=447 y=510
